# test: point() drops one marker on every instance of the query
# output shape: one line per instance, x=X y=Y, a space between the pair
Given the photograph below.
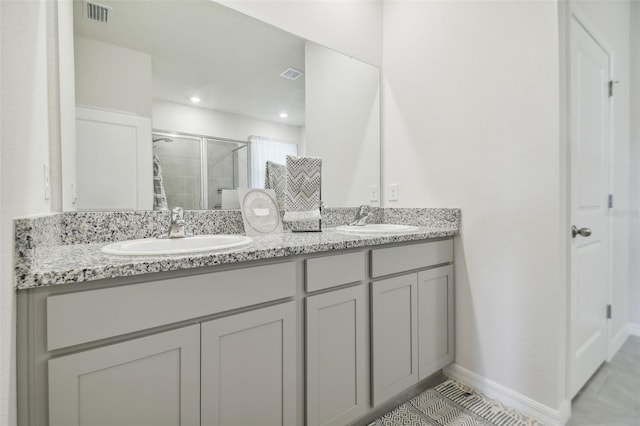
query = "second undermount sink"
x=196 y=244
x=377 y=228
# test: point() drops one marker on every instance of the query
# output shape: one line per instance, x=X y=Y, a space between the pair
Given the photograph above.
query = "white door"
x=589 y=150
x=114 y=166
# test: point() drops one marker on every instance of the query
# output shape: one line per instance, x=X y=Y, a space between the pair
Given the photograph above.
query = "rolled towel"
x=159 y=195
x=276 y=178
x=302 y=194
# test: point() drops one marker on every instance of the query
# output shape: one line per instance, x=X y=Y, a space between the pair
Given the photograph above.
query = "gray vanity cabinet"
x=249 y=368
x=336 y=338
x=152 y=381
x=394 y=305
x=316 y=340
x=336 y=353
x=435 y=320
x=412 y=315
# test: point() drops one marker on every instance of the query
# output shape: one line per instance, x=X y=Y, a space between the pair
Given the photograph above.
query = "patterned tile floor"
x=610 y=398
x=612 y=395
x=452 y=404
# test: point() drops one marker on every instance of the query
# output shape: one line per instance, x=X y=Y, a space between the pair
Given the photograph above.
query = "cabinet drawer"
x=406 y=258
x=331 y=271
x=86 y=316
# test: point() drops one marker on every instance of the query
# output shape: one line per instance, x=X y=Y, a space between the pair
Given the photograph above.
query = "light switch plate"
x=393 y=192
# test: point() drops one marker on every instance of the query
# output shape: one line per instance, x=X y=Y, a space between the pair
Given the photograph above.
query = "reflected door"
x=112 y=161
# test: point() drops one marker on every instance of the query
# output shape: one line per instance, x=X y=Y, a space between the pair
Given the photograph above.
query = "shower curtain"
x=265 y=149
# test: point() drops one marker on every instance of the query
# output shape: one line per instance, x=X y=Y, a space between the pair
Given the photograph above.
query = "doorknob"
x=585 y=232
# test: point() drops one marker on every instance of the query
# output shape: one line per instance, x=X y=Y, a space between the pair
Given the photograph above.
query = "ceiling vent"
x=291 y=74
x=96 y=12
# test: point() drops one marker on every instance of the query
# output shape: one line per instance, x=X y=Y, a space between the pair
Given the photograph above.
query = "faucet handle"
x=361 y=216
x=177 y=213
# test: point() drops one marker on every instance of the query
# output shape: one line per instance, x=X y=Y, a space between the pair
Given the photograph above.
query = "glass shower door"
x=199 y=172
x=226 y=171
x=180 y=157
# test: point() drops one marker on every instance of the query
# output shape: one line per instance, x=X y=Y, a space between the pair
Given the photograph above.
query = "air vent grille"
x=97 y=12
x=291 y=74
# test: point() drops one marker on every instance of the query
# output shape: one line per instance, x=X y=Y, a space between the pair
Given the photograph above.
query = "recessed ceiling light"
x=283 y=115
x=195 y=99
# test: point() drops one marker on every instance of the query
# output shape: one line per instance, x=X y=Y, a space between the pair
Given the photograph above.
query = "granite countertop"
x=76 y=263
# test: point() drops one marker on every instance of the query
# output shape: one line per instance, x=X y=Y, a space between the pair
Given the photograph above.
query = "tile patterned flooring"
x=453 y=404
x=612 y=395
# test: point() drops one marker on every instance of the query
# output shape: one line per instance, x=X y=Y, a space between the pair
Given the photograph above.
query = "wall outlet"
x=373 y=193
x=393 y=192
x=47 y=182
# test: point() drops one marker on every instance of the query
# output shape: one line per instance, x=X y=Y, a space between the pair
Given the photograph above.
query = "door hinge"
x=611 y=83
x=610 y=201
x=608 y=311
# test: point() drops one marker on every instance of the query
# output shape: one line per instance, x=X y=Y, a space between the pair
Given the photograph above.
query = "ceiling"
x=231 y=61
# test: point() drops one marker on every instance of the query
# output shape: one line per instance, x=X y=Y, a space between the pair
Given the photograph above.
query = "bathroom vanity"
x=299 y=329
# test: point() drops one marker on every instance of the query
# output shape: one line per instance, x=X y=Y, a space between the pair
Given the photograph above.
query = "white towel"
x=159 y=196
x=302 y=195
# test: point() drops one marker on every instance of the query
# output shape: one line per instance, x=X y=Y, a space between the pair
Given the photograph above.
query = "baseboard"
x=618 y=340
x=524 y=404
x=634 y=328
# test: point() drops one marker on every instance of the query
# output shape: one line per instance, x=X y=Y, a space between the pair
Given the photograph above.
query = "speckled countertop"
x=43 y=258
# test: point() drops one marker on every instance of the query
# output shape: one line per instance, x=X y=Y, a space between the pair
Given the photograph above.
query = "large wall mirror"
x=179 y=103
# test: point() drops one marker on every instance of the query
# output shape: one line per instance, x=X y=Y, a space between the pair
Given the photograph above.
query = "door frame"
x=576 y=17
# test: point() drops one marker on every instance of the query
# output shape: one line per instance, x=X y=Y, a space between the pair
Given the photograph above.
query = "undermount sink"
x=377 y=228
x=159 y=246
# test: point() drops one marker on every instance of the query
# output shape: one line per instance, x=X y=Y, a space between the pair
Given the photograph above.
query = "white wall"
x=207 y=122
x=610 y=22
x=343 y=124
x=6 y=298
x=634 y=255
x=65 y=170
x=112 y=77
x=471 y=120
x=5 y=321
x=353 y=27
x=25 y=84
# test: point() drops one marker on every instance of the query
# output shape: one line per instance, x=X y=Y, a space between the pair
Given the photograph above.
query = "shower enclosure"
x=197 y=169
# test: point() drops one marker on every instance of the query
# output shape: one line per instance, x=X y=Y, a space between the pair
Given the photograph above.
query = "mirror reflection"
x=182 y=102
x=197 y=172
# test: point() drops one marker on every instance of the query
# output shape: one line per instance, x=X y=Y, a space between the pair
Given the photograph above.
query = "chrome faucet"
x=361 y=216
x=177 y=226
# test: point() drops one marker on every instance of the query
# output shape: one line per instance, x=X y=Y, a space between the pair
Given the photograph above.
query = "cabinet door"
x=150 y=381
x=249 y=368
x=435 y=320
x=336 y=356
x=395 y=336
